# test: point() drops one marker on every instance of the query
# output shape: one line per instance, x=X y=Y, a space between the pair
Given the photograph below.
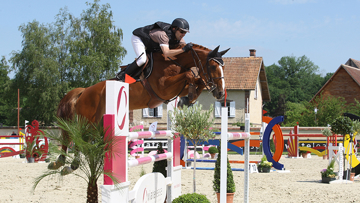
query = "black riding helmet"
x=181 y=23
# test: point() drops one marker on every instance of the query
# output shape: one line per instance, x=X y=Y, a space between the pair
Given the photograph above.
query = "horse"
x=170 y=78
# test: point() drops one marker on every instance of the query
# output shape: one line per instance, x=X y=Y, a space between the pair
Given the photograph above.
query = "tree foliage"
x=55 y=58
x=292 y=80
x=328 y=108
x=4 y=85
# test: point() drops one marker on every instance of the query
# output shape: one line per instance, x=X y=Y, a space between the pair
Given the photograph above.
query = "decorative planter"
x=325 y=156
x=229 y=197
x=31 y=160
x=326 y=179
x=264 y=169
x=212 y=155
x=352 y=176
x=304 y=155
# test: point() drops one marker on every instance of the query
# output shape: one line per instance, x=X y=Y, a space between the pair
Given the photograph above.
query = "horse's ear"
x=213 y=52
x=224 y=52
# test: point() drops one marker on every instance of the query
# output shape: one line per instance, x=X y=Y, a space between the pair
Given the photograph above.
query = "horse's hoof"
x=184 y=101
x=66 y=170
x=54 y=165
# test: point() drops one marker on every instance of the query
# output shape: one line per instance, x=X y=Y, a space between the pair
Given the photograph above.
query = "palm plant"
x=90 y=149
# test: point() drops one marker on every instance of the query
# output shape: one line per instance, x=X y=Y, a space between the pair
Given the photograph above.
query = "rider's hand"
x=187 y=47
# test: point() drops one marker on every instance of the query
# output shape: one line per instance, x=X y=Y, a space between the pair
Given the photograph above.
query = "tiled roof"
x=241 y=73
x=353 y=72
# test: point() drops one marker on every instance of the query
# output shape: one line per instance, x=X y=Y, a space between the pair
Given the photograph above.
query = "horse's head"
x=214 y=73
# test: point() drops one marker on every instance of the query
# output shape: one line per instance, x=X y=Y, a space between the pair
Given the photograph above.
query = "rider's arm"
x=170 y=52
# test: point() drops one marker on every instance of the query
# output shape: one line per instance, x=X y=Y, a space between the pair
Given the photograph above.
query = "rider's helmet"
x=181 y=23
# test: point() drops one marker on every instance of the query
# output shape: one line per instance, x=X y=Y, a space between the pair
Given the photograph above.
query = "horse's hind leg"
x=74 y=164
x=62 y=158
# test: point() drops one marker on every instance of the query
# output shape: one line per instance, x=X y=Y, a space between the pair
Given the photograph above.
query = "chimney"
x=252 y=52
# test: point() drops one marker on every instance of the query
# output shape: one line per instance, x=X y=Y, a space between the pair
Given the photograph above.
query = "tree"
x=74 y=52
x=293 y=80
x=329 y=107
x=4 y=85
x=89 y=140
x=195 y=125
x=96 y=50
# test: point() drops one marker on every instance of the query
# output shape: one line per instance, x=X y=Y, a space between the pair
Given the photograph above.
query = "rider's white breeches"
x=139 y=48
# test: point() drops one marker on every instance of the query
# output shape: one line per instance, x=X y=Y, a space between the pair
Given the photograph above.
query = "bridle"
x=209 y=80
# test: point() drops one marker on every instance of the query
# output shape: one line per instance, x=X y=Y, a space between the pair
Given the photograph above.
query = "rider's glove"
x=187 y=47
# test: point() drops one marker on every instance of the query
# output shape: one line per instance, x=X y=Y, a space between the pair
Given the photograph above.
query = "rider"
x=156 y=38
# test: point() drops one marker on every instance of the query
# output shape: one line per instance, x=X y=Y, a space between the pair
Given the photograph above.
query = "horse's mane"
x=195 y=46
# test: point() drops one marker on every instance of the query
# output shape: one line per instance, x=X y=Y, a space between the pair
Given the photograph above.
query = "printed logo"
x=121 y=108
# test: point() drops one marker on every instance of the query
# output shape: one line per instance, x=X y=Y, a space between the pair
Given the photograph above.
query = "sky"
x=325 y=31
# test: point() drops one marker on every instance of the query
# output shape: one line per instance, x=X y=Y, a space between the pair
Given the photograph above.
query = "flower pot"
x=229 y=197
x=304 y=155
x=326 y=179
x=352 y=176
x=212 y=155
x=325 y=156
x=31 y=160
x=264 y=169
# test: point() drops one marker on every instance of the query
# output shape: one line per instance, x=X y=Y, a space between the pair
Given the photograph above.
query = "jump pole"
x=225 y=136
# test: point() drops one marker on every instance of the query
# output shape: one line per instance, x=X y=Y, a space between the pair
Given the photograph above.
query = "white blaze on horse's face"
x=222 y=77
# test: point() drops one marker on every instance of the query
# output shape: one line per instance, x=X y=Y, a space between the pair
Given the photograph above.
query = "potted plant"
x=328 y=174
x=32 y=151
x=303 y=153
x=213 y=150
x=327 y=133
x=343 y=125
x=195 y=125
x=264 y=165
x=230 y=186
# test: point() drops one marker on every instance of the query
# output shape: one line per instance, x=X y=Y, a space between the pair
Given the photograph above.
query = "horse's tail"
x=66 y=108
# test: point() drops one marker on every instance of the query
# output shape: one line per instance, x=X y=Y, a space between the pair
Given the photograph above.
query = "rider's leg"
x=132 y=68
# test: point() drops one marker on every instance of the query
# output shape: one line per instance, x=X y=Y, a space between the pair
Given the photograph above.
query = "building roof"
x=354 y=63
x=241 y=73
x=354 y=73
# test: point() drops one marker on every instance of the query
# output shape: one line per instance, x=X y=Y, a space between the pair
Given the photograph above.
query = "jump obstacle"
x=152 y=187
x=14 y=147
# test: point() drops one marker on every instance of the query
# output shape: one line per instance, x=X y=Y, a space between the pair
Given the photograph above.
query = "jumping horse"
x=169 y=78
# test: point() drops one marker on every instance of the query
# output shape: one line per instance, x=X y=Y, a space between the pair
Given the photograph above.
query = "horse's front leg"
x=199 y=87
x=188 y=76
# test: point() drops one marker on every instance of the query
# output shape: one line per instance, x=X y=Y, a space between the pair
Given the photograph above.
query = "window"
x=155 y=112
x=231 y=108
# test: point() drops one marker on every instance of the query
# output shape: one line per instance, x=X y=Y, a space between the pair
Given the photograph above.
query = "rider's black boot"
x=131 y=70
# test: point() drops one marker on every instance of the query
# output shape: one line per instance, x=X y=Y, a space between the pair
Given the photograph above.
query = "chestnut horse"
x=169 y=78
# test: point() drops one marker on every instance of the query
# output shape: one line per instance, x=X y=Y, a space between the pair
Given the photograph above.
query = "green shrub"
x=230 y=186
x=191 y=198
x=213 y=150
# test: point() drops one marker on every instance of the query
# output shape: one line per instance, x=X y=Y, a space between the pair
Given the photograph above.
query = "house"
x=345 y=82
x=245 y=80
